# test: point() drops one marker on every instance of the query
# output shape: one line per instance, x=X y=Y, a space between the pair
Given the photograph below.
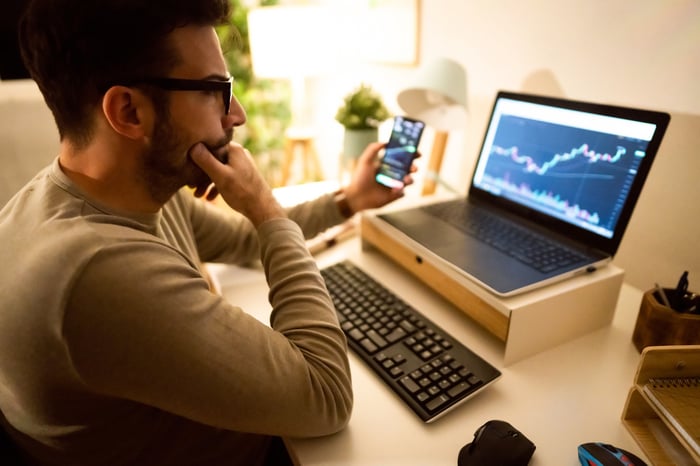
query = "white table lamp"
x=438 y=96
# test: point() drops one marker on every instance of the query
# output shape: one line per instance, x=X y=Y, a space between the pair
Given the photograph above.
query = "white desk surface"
x=560 y=398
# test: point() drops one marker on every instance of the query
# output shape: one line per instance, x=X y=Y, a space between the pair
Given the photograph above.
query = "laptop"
x=550 y=196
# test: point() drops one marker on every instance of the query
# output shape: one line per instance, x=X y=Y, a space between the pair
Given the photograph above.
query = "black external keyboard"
x=430 y=370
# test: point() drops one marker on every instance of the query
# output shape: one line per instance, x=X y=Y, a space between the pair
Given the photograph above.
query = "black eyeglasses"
x=177 y=84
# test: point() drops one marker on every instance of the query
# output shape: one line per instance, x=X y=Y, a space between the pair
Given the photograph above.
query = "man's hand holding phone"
x=399 y=152
x=364 y=192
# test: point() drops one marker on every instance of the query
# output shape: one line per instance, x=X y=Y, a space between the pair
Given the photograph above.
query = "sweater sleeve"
x=140 y=324
x=225 y=236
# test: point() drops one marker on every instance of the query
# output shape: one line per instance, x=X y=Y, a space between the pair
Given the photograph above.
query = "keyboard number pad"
x=439 y=381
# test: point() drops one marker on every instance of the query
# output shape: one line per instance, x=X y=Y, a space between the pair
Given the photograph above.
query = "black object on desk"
x=430 y=370
x=497 y=443
x=682 y=300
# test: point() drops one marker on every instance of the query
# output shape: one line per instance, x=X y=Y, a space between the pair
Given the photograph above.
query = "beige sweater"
x=114 y=351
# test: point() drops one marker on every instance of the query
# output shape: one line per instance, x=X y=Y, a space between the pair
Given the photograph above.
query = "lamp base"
x=434 y=162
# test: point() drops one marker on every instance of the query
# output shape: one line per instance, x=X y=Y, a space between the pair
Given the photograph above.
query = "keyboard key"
x=376 y=338
x=458 y=389
x=407 y=326
x=369 y=346
x=396 y=335
x=409 y=384
x=436 y=403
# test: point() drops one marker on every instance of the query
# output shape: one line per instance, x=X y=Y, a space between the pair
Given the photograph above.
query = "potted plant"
x=361 y=114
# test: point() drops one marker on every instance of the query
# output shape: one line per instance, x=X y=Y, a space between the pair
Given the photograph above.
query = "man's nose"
x=236 y=115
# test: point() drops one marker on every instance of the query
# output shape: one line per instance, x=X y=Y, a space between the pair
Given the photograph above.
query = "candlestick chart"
x=579 y=175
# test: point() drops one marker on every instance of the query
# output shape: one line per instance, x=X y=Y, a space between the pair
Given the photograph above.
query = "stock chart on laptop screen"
x=573 y=165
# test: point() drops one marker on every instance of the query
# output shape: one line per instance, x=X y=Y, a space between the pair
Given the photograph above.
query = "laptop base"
x=527 y=323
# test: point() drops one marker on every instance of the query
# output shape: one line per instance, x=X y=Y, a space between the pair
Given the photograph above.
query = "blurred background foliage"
x=267 y=102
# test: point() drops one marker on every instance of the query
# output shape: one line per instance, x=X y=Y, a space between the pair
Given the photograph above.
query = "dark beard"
x=167 y=168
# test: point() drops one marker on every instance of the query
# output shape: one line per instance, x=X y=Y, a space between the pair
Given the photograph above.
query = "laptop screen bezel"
x=578 y=234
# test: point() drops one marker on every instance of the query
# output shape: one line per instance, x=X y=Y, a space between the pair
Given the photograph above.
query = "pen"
x=679 y=293
x=662 y=294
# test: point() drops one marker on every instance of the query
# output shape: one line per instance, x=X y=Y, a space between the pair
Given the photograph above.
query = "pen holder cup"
x=659 y=325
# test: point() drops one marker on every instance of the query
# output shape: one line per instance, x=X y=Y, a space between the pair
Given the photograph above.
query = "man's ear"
x=128 y=111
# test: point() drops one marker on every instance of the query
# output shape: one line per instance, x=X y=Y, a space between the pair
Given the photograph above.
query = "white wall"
x=641 y=53
x=28 y=135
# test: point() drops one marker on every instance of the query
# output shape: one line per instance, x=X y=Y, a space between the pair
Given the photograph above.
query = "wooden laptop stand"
x=527 y=323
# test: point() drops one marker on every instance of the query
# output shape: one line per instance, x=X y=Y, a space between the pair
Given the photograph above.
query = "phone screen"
x=399 y=151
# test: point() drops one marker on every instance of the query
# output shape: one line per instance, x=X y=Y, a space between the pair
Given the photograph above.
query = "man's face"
x=192 y=117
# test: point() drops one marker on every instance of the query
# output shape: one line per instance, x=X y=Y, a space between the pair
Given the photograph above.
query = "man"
x=112 y=348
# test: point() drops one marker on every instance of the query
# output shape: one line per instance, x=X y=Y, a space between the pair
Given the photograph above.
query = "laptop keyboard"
x=424 y=365
x=524 y=245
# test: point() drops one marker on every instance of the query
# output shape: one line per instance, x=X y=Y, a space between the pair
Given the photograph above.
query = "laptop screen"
x=581 y=164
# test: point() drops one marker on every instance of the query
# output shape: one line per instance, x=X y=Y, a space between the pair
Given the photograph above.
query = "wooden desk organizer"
x=660 y=325
x=527 y=323
x=656 y=433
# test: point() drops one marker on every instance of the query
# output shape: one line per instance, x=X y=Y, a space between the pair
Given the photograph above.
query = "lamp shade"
x=438 y=96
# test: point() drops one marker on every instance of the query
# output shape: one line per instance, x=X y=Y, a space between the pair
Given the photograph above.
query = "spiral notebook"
x=678 y=400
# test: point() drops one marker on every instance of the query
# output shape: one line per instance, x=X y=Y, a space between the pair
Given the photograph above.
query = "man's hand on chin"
x=239 y=182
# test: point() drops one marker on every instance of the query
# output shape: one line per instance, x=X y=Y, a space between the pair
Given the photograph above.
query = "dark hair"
x=76 y=49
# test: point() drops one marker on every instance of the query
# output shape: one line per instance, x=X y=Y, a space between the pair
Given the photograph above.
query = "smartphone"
x=399 y=151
